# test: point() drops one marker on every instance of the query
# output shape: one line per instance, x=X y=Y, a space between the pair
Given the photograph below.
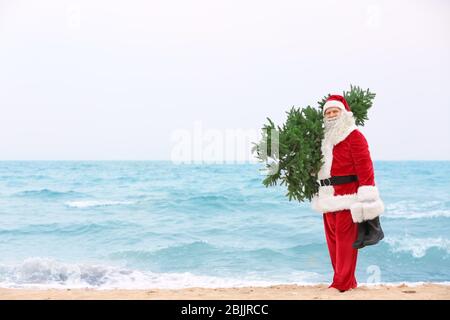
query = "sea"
x=158 y=224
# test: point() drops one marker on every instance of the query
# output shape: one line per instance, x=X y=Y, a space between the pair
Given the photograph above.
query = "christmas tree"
x=292 y=153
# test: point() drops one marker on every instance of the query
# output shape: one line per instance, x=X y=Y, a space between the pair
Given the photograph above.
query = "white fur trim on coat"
x=372 y=209
x=368 y=205
x=325 y=200
x=346 y=126
x=356 y=210
x=333 y=103
x=368 y=193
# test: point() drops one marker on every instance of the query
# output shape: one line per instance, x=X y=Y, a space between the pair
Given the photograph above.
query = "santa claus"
x=347 y=197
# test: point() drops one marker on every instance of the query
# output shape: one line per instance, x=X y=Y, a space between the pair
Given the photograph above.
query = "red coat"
x=346 y=152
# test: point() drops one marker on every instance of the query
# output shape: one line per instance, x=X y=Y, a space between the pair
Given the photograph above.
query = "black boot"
x=374 y=232
x=362 y=230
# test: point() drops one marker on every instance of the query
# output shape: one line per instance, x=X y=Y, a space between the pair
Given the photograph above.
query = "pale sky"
x=114 y=79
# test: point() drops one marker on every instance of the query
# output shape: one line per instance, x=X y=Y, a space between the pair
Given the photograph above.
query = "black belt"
x=338 y=180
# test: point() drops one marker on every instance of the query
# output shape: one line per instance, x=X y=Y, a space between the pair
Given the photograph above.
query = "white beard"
x=331 y=122
x=335 y=131
x=337 y=128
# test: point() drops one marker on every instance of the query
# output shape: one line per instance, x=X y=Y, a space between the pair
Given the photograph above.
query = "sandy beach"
x=284 y=292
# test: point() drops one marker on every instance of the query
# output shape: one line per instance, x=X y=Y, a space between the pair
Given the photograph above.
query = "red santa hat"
x=336 y=101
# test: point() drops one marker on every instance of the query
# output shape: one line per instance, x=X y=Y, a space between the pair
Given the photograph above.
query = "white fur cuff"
x=368 y=193
x=373 y=209
x=356 y=210
x=363 y=211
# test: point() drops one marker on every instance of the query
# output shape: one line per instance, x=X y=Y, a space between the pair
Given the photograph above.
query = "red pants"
x=341 y=232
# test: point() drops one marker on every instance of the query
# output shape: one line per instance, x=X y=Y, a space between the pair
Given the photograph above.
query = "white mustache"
x=333 y=119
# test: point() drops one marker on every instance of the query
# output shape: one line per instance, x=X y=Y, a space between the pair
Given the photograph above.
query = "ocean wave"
x=177 y=252
x=202 y=247
x=179 y=201
x=50 y=273
x=66 y=228
x=403 y=214
x=209 y=200
x=47 y=193
x=198 y=253
x=414 y=209
x=417 y=247
x=96 y=203
x=306 y=247
x=23 y=177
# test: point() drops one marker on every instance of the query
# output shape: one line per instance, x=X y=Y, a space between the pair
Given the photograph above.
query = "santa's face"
x=332 y=112
x=332 y=117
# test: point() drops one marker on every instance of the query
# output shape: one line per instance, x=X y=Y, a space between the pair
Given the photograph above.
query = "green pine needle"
x=299 y=155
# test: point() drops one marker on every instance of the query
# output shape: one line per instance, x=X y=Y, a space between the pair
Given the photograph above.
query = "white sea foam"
x=43 y=273
x=95 y=203
x=418 y=247
x=49 y=273
x=409 y=209
x=403 y=214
